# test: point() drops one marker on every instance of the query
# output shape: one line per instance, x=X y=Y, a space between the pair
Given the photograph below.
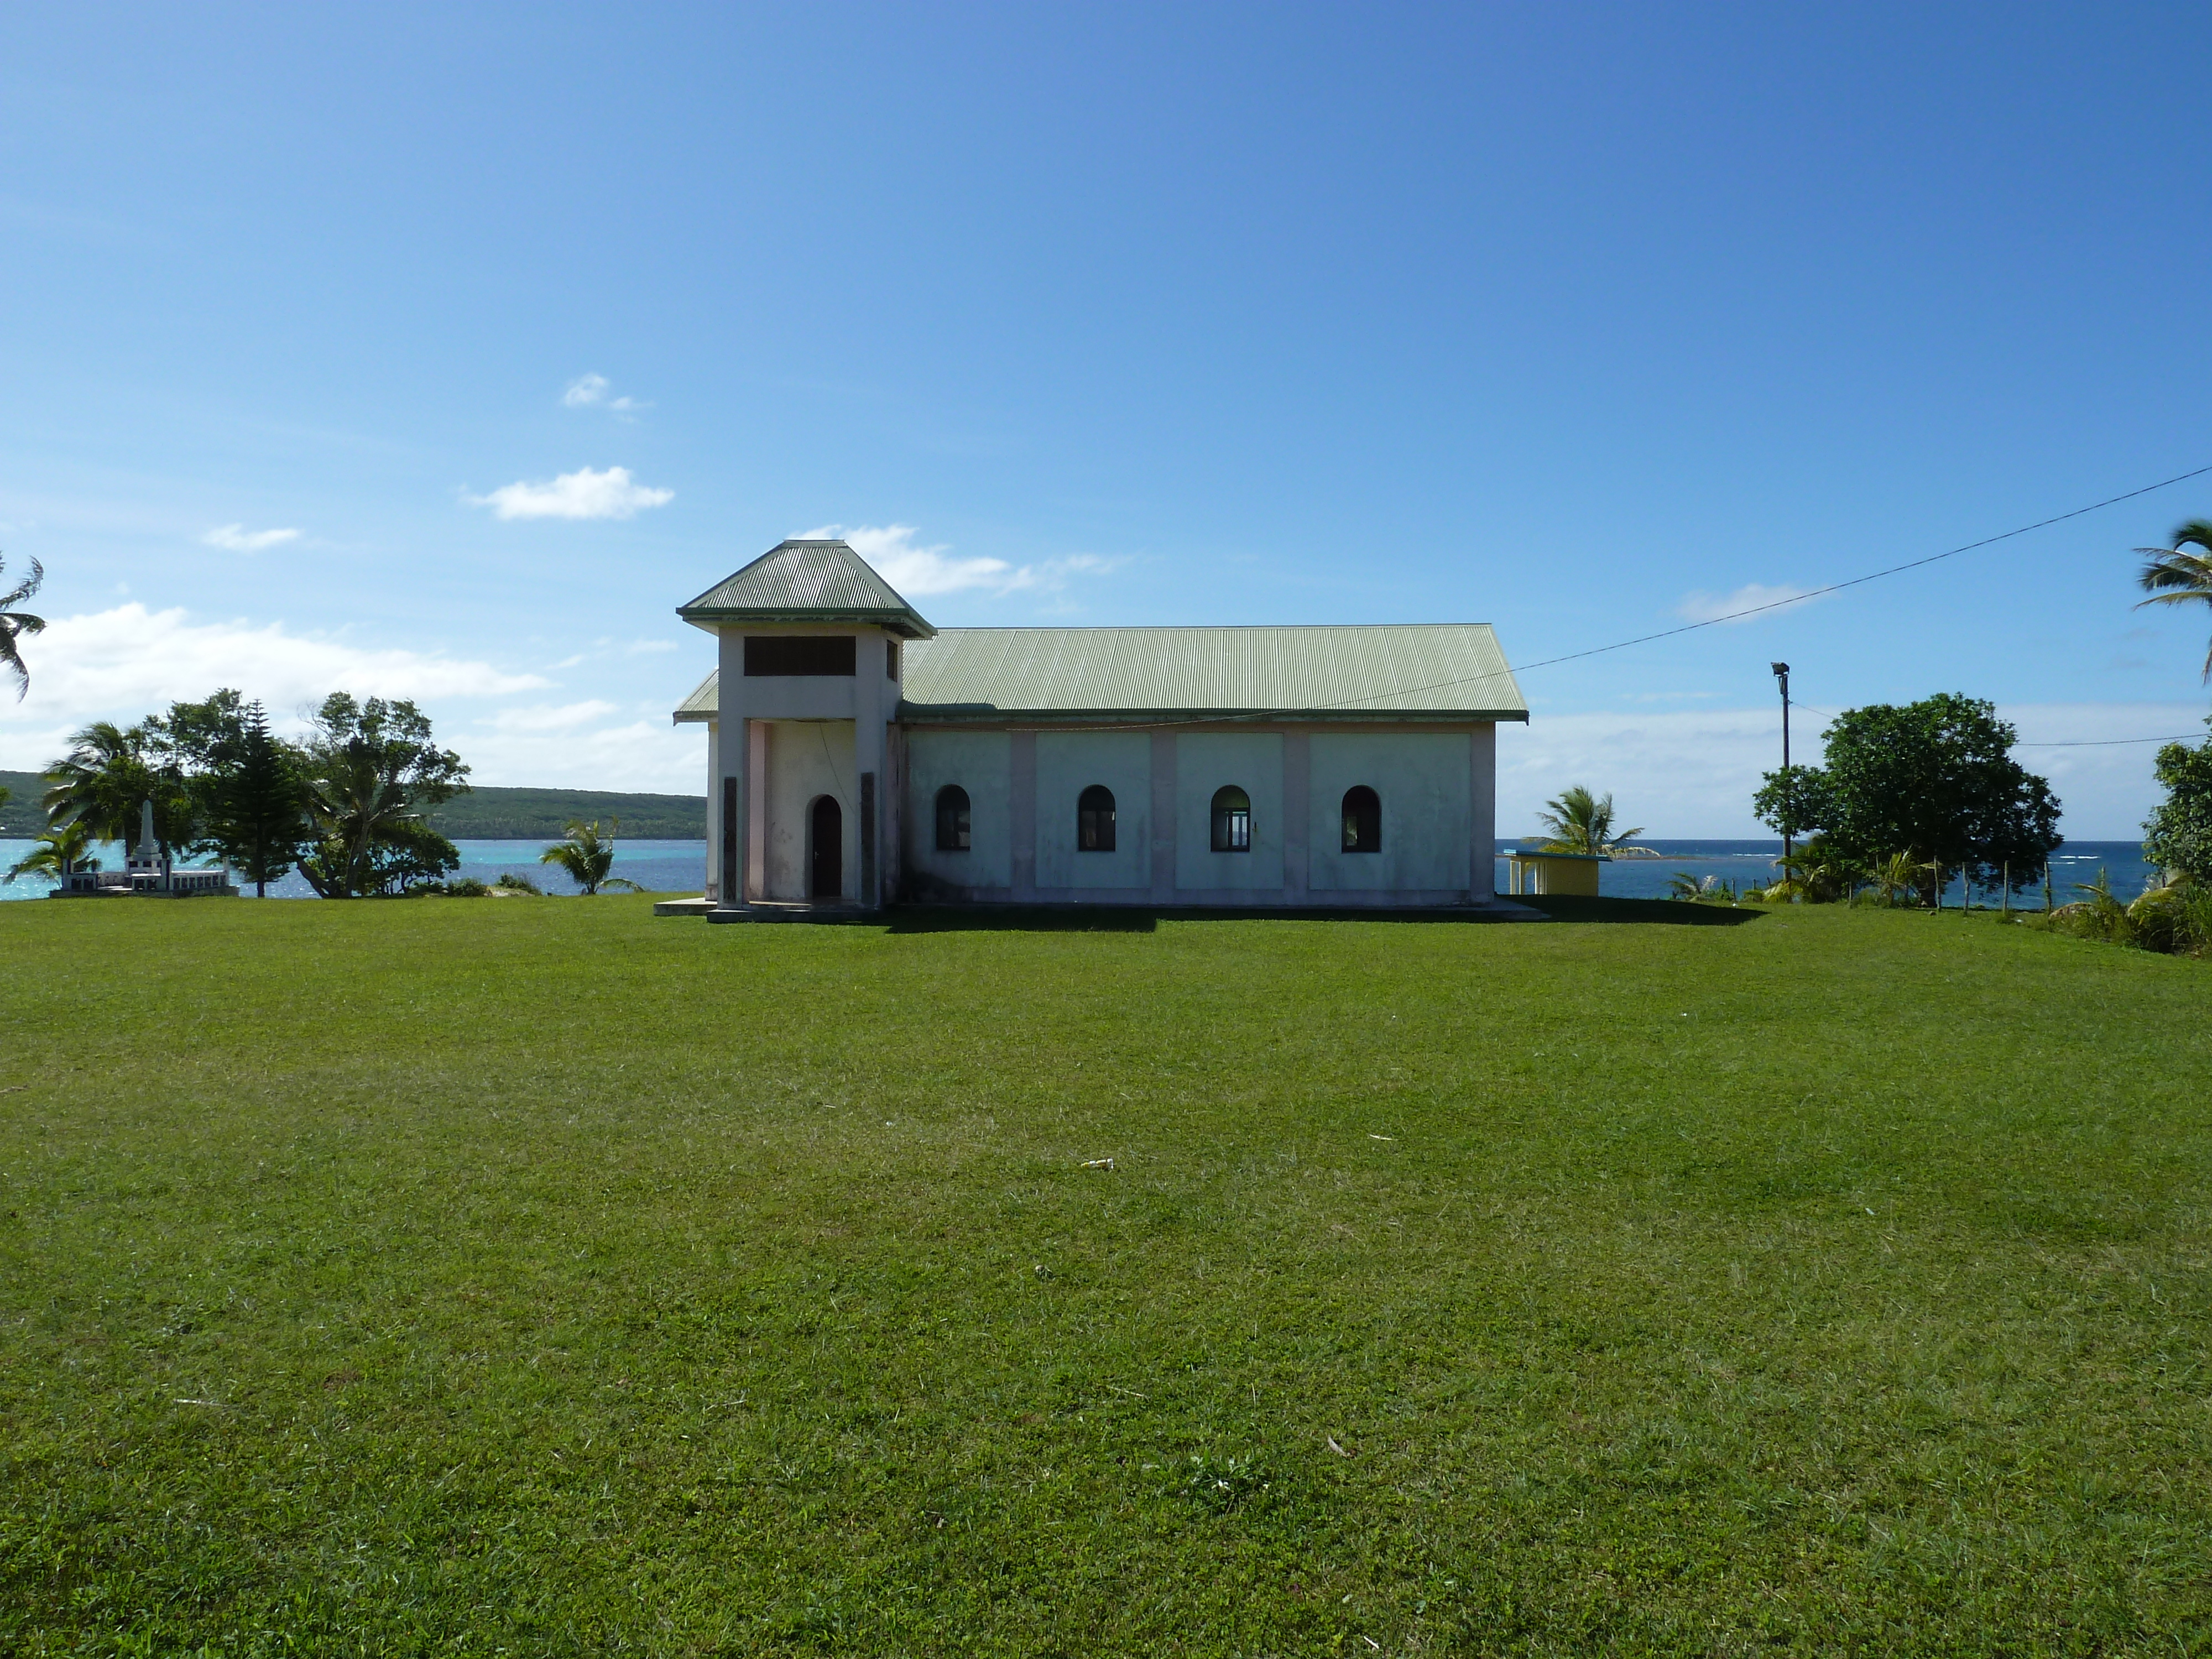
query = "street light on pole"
x=1789 y=845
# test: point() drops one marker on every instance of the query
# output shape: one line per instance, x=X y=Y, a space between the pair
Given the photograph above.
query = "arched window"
x=1363 y=820
x=1233 y=820
x=1094 y=820
x=952 y=819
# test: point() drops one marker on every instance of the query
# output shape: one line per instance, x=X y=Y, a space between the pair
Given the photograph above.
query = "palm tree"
x=1695 y=890
x=587 y=856
x=102 y=779
x=1815 y=874
x=2183 y=576
x=14 y=623
x=1896 y=874
x=55 y=853
x=1579 y=821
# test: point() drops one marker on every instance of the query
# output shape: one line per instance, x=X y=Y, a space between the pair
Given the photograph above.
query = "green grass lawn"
x=541 y=1277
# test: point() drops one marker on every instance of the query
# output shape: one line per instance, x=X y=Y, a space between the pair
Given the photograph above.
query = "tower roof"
x=807 y=581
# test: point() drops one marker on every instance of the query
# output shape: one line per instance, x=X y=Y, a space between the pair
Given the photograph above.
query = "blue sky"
x=1577 y=321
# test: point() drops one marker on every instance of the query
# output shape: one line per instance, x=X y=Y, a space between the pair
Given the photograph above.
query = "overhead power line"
x=1798 y=598
x=2072 y=743
x=1732 y=616
x=2106 y=743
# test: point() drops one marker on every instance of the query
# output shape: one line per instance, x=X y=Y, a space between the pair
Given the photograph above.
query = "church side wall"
x=1424 y=783
x=981 y=762
x=1485 y=790
x=1206 y=762
x=1436 y=789
x=1067 y=763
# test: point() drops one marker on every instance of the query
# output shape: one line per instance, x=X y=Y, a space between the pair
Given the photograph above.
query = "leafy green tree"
x=1579 y=821
x=55 y=853
x=1799 y=800
x=2178 y=836
x=255 y=801
x=2176 y=576
x=1934 y=779
x=16 y=622
x=196 y=744
x=370 y=769
x=587 y=856
x=409 y=855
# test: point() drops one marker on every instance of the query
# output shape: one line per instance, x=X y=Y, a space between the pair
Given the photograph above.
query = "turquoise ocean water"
x=659 y=867
x=1751 y=863
x=680 y=866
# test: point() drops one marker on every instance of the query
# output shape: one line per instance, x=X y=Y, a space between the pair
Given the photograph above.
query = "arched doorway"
x=825 y=859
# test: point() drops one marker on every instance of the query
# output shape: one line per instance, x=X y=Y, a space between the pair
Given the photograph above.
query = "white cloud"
x=548 y=717
x=583 y=494
x=237 y=538
x=646 y=648
x=590 y=391
x=532 y=749
x=917 y=572
x=128 y=662
x=1752 y=595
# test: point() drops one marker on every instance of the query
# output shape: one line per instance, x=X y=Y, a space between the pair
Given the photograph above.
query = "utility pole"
x=1789 y=844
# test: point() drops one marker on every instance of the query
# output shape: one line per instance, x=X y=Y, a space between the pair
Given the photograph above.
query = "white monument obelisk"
x=146 y=858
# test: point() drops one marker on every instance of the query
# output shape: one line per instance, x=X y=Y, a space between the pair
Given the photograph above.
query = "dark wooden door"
x=826 y=872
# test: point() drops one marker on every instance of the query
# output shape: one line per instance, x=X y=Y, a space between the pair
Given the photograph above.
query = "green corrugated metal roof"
x=802 y=582
x=1449 y=670
x=705 y=699
x=1439 y=669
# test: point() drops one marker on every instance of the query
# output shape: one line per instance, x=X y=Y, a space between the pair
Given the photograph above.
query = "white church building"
x=857 y=756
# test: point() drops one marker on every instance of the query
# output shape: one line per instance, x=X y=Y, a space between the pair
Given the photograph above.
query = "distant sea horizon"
x=1751 y=864
x=680 y=866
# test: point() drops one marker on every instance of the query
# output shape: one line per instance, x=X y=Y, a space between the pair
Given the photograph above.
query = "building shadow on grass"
x=1141 y=918
x=1021 y=918
x=1663 y=913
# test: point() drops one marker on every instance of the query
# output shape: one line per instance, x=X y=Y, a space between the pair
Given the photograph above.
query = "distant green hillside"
x=536 y=814
x=21 y=817
x=521 y=814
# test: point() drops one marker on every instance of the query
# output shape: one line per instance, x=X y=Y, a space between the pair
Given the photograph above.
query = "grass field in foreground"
x=439 y=1276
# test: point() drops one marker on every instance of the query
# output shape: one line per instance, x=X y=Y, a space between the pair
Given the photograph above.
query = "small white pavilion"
x=147 y=870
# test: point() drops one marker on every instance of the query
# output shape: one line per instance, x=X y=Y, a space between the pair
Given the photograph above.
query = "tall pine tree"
x=258 y=807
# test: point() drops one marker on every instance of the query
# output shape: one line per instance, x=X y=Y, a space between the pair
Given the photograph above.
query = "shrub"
x=467 y=887
x=514 y=884
x=1705 y=890
x=2176 y=917
x=2097 y=915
